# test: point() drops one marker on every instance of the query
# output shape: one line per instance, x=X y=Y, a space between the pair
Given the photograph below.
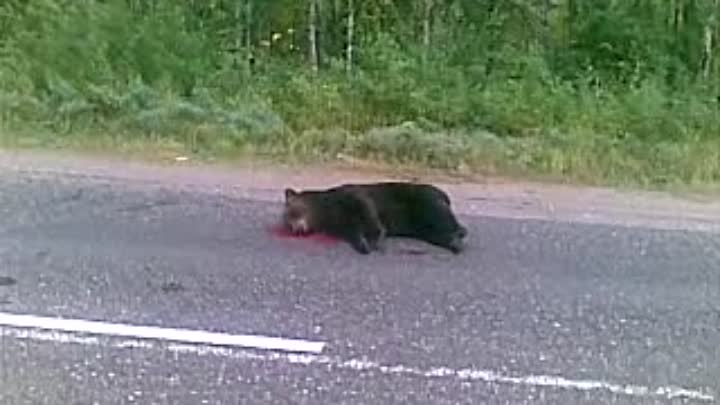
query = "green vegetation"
x=602 y=91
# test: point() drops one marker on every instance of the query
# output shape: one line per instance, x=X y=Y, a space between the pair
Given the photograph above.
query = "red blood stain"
x=280 y=232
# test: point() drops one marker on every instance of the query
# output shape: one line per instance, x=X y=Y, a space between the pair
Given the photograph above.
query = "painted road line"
x=159 y=333
x=364 y=365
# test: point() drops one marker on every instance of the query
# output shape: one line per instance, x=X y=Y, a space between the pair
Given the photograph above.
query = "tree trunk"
x=678 y=15
x=350 y=35
x=312 y=39
x=427 y=26
x=248 y=34
x=710 y=41
x=572 y=12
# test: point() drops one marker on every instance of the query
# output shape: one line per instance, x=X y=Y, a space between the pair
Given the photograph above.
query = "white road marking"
x=471 y=375
x=159 y=333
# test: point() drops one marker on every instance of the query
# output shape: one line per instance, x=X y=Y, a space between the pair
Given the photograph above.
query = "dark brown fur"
x=365 y=214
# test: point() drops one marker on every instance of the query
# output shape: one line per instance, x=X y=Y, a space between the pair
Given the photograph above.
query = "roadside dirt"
x=485 y=196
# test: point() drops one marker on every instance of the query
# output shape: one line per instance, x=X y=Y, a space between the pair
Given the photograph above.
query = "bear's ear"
x=290 y=194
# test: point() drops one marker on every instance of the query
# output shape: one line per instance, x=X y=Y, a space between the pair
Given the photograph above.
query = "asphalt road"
x=588 y=303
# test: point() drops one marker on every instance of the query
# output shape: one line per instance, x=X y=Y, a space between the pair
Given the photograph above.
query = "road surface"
x=535 y=311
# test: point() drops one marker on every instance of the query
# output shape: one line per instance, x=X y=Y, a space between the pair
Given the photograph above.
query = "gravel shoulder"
x=492 y=197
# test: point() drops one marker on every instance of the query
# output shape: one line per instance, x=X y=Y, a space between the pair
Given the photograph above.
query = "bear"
x=365 y=214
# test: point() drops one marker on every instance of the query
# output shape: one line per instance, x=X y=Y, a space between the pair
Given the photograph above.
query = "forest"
x=598 y=91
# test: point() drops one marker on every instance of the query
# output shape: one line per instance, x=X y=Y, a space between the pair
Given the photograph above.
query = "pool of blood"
x=281 y=232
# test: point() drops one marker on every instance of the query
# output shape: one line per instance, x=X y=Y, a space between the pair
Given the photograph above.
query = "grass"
x=584 y=159
x=128 y=90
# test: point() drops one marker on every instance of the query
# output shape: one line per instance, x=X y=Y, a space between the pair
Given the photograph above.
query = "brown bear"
x=365 y=214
